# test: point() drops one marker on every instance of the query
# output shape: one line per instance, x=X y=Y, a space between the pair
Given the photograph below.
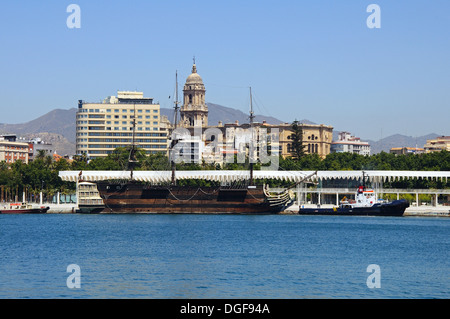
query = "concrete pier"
x=61 y=208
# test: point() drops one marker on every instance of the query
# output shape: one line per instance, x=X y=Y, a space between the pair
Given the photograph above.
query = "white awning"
x=228 y=176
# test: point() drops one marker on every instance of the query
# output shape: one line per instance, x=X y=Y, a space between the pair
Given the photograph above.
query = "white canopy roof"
x=226 y=176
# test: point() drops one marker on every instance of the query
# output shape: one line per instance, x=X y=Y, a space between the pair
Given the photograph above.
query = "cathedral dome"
x=194 y=77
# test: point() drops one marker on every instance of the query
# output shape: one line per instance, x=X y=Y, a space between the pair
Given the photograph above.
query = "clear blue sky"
x=313 y=60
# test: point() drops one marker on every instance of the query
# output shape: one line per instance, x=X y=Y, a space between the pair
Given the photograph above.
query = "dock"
x=61 y=208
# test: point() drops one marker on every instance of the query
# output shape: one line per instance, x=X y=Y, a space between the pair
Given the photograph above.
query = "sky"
x=315 y=59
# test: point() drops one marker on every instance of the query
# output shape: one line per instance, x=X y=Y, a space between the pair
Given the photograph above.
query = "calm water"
x=219 y=256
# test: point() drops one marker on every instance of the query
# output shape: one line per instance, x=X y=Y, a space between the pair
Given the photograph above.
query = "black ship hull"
x=134 y=197
x=90 y=209
x=395 y=208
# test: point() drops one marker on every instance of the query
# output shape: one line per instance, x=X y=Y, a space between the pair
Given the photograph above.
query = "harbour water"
x=223 y=256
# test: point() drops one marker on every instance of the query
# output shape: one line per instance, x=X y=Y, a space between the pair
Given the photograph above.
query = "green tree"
x=156 y=162
x=297 y=147
x=80 y=162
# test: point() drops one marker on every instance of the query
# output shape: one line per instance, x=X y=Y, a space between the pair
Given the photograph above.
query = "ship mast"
x=132 y=157
x=364 y=180
x=172 y=144
x=250 y=155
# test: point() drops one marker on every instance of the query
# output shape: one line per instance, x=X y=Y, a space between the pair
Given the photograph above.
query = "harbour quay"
x=62 y=208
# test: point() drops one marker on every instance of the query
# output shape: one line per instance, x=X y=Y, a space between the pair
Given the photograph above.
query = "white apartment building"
x=438 y=144
x=102 y=127
x=347 y=143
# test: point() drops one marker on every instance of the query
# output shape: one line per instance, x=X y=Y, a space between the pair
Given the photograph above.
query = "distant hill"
x=225 y=114
x=57 y=127
x=58 y=121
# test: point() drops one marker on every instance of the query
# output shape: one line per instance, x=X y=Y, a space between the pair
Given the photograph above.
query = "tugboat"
x=23 y=208
x=364 y=204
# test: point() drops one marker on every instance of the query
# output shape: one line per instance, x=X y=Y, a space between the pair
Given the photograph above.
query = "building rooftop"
x=123 y=97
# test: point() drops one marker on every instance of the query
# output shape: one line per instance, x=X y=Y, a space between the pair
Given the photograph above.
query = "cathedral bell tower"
x=194 y=112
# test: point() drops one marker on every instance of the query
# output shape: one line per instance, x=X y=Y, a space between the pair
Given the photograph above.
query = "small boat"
x=364 y=204
x=23 y=208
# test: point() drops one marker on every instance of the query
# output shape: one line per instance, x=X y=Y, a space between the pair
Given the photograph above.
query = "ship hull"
x=395 y=208
x=90 y=209
x=138 y=198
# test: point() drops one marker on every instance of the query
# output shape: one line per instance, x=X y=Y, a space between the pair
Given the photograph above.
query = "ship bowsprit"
x=285 y=198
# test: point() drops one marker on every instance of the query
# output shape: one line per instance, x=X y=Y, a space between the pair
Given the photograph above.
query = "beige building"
x=102 y=127
x=317 y=138
x=438 y=144
x=11 y=150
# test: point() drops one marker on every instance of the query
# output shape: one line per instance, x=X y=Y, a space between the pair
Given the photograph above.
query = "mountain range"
x=225 y=114
x=58 y=128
